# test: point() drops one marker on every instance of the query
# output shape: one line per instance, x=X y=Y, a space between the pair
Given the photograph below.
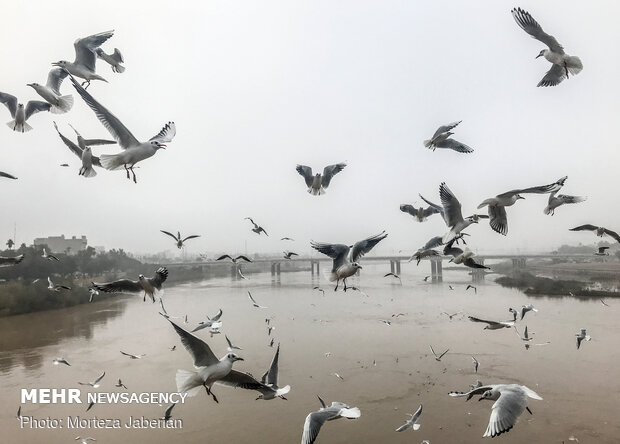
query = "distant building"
x=60 y=244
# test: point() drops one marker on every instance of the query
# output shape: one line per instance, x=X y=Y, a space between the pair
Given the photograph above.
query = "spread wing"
x=364 y=246
x=449 y=250
x=35 y=106
x=338 y=252
x=120 y=286
x=542 y=189
x=473 y=319
x=454 y=145
x=451 y=206
x=7 y=175
x=471 y=263
x=498 y=219
x=410 y=209
x=306 y=172
x=586 y=227
x=160 y=276
x=314 y=422
x=437 y=208
x=166 y=134
x=242 y=257
x=330 y=171
x=612 y=234
x=272 y=373
x=10 y=102
x=170 y=234
x=570 y=199
x=433 y=243
x=445 y=128
x=6 y=261
x=96 y=142
x=554 y=76
x=55 y=78
x=75 y=149
x=505 y=412
x=85 y=48
x=217 y=316
x=200 y=351
x=531 y=26
x=193 y=236
x=241 y=380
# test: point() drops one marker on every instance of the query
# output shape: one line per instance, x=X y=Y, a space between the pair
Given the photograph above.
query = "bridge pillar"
x=436 y=270
x=392 y=268
x=234 y=272
x=398 y=267
x=278 y=268
x=312 y=264
x=477 y=274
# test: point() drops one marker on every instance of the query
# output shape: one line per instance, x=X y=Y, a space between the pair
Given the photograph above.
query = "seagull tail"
x=120 y=69
x=353 y=413
x=189 y=382
x=88 y=172
x=416 y=426
x=65 y=103
x=547 y=210
x=111 y=161
x=573 y=64
x=19 y=127
x=283 y=391
x=485 y=203
x=428 y=143
x=316 y=192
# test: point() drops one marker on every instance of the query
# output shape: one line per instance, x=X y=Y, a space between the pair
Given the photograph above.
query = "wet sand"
x=580 y=388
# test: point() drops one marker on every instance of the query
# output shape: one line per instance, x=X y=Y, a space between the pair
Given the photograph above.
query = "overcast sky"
x=258 y=87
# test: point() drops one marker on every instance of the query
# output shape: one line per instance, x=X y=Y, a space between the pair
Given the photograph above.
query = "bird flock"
x=509 y=399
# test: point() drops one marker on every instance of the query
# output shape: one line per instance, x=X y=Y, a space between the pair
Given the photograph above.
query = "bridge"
x=519 y=261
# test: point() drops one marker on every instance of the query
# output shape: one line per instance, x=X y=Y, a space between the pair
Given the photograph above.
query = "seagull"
x=83 y=151
x=51 y=92
x=426 y=278
x=95 y=383
x=210 y=321
x=460 y=256
x=173 y=348
x=53 y=287
x=345 y=265
x=476 y=364
x=61 y=361
x=114 y=60
x=514 y=313
x=427 y=251
x=526 y=308
x=270 y=389
x=64 y=164
x=441 y=139
x=271 y=343
x=602 y=251
x=604 y=303
x=231 y=347
x=451 y=213
x=289 y=254
x=254 y=302
x=287 y=239
x=600 y=231
x=178 y=239
x=526 y=337
x=49 y=257
x=451 y=315
x=493 y=325
x=563 y=64
x=210 y=369
x=85 y=58
x=134 y=150
x=317 y=183
x=394 y=275
x=270 y=329
x=19 y=412
x=450 y=287
x=581 y=336
x=93 y=292
x=233 y=259
x=319 y=289
x=7 y=175
x=497 y=205
x=510 y=402
x=21 y=114
x=90 y=406
x=471 y=286
x=241 y=275
x=411 y=422
x=438 y=358
x=257 y=229
x=561 y=199
x=168 y=413
x=315 y=420
x=420 y=214
x=132 y=356
x=386 y=322
x=338 y=376
x=8 y=261
x=85 y=440
x=120 y=384
x=150 y=286
x=399 y=314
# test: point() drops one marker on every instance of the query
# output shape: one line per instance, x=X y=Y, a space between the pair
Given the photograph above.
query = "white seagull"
x=459 y=256
x=420 y=214
x=134 y=150
x=57 y=361
x=83 y=151
x=493 y=325
x=315 y=420
x=214 y=321
x=600 y=231
x=270 y=389
x=345 y=265
x=317 y=183
x=114 y=60
x=411 y=422
x=257 y=228
x=21 y=114
x=95 y=383
x=254 y=303
x=55 y=287
x=234 y=260
x=438 y=358
x=510 y=402
x=441 y=139
x=180 y=241
x=132 y=356
x=150 y=286
x=563 y=64
x=561 y=199
x=231 y=346
x=51 y=92
x=582 y=336
x=49 y=257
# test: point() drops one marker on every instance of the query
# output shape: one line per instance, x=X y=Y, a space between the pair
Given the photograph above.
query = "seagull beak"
x=30 y=84
x=521 y=197
x=56 y=64
x=161 y=145
x=480 y=399
x=539 y=55
x=360 y=267
x=239 y=359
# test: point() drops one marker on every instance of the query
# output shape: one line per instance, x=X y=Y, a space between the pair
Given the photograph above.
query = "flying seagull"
x=210 y=322
x=427 y=250
x=210 y=369
x=51 y=92
x=21 y=114
x=438 y=358
x=471 y=286
x=120 y=384
x=497 y=205
x=582 y=336
x=563 y=64
x=134 y=150
x=411 y=422
x=233 y=259
x=149 y=286
x=231 y=346
x=9 y=261
x=257 y=228
x=49 y=257
x=451 y=315
x=394 y=275
x=420 y=214
x=602 y=251
x=95 y=383
x=114 y=59
x=83 y=151
x=57 y=361
x=476 y=364
x=92 y=292
x=441 y=139
x=269 y=381
x=315 y=420
x=287 y=239
x=345 y=265
x=168 y=413
x=85 y=58
x=317 y=183
x=600 y=231
x=319 y=289
x=178 y=239
x=493 y=325
x=7 y=175
x=560 y=199
x=254 y=302
x=132 y=356
x=526 y=308
x=289 y=254
x=460 y=256
x=55 y=287
x=510 y=402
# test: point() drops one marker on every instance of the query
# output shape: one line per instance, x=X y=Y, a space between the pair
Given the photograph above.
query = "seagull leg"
x=566 y=69
x=283 y=398
x=126 y=170
x=528 y=409
x=344 y=281
x=134 y=174
x=337 y=283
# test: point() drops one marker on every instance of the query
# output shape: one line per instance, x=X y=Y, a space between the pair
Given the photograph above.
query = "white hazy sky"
x=257 y=87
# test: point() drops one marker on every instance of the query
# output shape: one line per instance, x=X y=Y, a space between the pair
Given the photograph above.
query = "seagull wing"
x=362 y=247
x=251 y=298
x=471 y=263
x=7 y=175
x=433 y=243
x=338 y=252
x=473 y=319
x=272 y=373
x=571 y=199
x=330 y=171
x=217 y=316
x=542 y=189
x=505 y=411
x=441 y=355
x=75 y=149
x=531 y=26
x=241 y=380
x=96 y=381
x=445 y=128
x=433 y=351
x=55 y=78
x=554 y=76
x=586 y=227
x=170 y=234
x=224 y=256
x=166 y=134
x=314 y=422
x=200 y=351
x=116 y=128
x=120 y=286
x=243 y=257
x=193 y=236
x=454 y=145
x=451 y=206
x=35 y=106
x=410 y=209
x=499 y=219
x=85 y=48
x=306 y=172
x=449 y=250
x=160 y=277
x=97 y=142
x=612 y=234
x=429 y=211
x=10 y=102
x=417 y=414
